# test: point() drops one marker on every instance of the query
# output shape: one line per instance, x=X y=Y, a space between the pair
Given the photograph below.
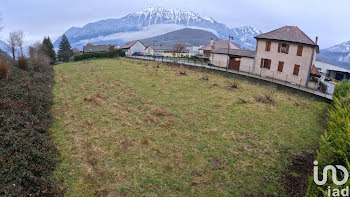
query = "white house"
x=134 y=47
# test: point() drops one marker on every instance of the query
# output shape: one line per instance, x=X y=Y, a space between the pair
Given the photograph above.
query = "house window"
x=283 y=48
x=265 y=63
x=300 y=51
x=280 y=66
x=296 y=70
x=268 y=46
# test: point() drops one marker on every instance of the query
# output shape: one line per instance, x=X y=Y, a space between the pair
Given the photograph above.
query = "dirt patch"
x=243 y=101
x=267 y=98
x=296 y=176
x=218 y=164
x=204 y=78
x=183 y=72
x=161 y=112
x=96 y=99
x=126 y=143
x=233 y=85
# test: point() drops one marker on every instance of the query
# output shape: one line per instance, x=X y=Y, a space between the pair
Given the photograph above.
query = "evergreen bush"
x=335 y=142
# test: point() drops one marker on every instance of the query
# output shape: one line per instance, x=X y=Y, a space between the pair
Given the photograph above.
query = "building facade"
x=134 y=47
x=286 y=54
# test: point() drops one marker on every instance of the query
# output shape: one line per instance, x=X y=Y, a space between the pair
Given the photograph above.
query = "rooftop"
x=288 y=33
x=218 y=44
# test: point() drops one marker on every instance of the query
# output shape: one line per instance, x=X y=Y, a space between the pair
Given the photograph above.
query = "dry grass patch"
x=139 y=129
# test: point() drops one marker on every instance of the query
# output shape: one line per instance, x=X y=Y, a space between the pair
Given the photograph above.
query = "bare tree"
x=37 y=57
x=14 y=41
x=178 y=48
x=19 y=40
x=12 y=44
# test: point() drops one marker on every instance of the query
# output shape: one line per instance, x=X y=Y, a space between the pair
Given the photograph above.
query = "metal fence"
x=249 y=71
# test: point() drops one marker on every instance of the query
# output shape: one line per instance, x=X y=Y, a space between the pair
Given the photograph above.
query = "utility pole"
x=228 y=51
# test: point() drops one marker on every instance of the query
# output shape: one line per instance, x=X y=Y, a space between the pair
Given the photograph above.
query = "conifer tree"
x=65 y=50
x=48 y=49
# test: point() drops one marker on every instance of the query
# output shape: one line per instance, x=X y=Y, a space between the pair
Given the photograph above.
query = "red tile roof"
x=315 y=71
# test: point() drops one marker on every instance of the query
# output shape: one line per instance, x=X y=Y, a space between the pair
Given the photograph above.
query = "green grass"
x=127 y=128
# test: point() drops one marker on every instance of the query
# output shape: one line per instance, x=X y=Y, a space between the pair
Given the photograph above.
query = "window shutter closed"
x=296 y=69
x=287 y=49
x=269 y=65
x=280 y=66
x=300 y=51
x=262 y=62
x=268 y=46
x=279 y=47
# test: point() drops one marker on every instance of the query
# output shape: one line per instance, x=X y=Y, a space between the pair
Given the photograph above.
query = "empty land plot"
x=131 y=127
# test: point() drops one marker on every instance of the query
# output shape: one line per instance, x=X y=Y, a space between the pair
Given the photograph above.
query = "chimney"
x=211 y=41
x=316 y=40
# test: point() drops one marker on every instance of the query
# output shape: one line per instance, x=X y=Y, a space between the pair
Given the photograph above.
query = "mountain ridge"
x=113 y=31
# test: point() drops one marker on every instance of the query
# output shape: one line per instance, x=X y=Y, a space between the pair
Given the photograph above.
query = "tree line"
x=15 y=44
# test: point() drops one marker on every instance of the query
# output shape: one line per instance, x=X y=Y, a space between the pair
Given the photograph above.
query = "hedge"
x=109 y=54
x=335 y=142
x=28 y=156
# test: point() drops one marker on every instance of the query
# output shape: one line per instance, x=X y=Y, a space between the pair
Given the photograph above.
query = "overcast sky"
x=327 y=19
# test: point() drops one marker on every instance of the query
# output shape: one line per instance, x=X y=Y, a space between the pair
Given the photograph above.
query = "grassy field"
x=138 y=128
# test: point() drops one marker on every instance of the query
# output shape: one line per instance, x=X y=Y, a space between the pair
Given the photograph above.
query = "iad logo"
x=334 y=192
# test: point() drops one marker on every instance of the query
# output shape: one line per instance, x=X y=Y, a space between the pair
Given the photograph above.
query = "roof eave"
x=314 y=45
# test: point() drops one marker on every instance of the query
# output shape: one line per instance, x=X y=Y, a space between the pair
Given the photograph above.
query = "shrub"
x=23 y=63
x=4 y=68
x=334 y=144
x=28 y=156
x=37 y=57
x=85 y=56
x=341 y=89
x=112 y=53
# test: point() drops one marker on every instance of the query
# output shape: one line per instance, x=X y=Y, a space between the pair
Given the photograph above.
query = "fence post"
x=260 y=72
x=286 y=80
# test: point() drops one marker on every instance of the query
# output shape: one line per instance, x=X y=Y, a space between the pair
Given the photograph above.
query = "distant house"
x=333 y=71
x=218 y=44
x=76 y=51
x=94 y=48
x=134 y=47
x=165 y=51
x=234 y=58
x=286 y=54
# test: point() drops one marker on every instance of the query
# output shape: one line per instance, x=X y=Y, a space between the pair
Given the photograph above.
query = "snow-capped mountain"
x=337 y=55
x=152 y=22
x=342 y=48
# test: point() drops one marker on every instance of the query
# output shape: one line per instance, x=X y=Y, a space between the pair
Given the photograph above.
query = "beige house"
x=165 y=51
x=133 y=47
x=218 y=44
x=234 y=59
x=286 y=54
